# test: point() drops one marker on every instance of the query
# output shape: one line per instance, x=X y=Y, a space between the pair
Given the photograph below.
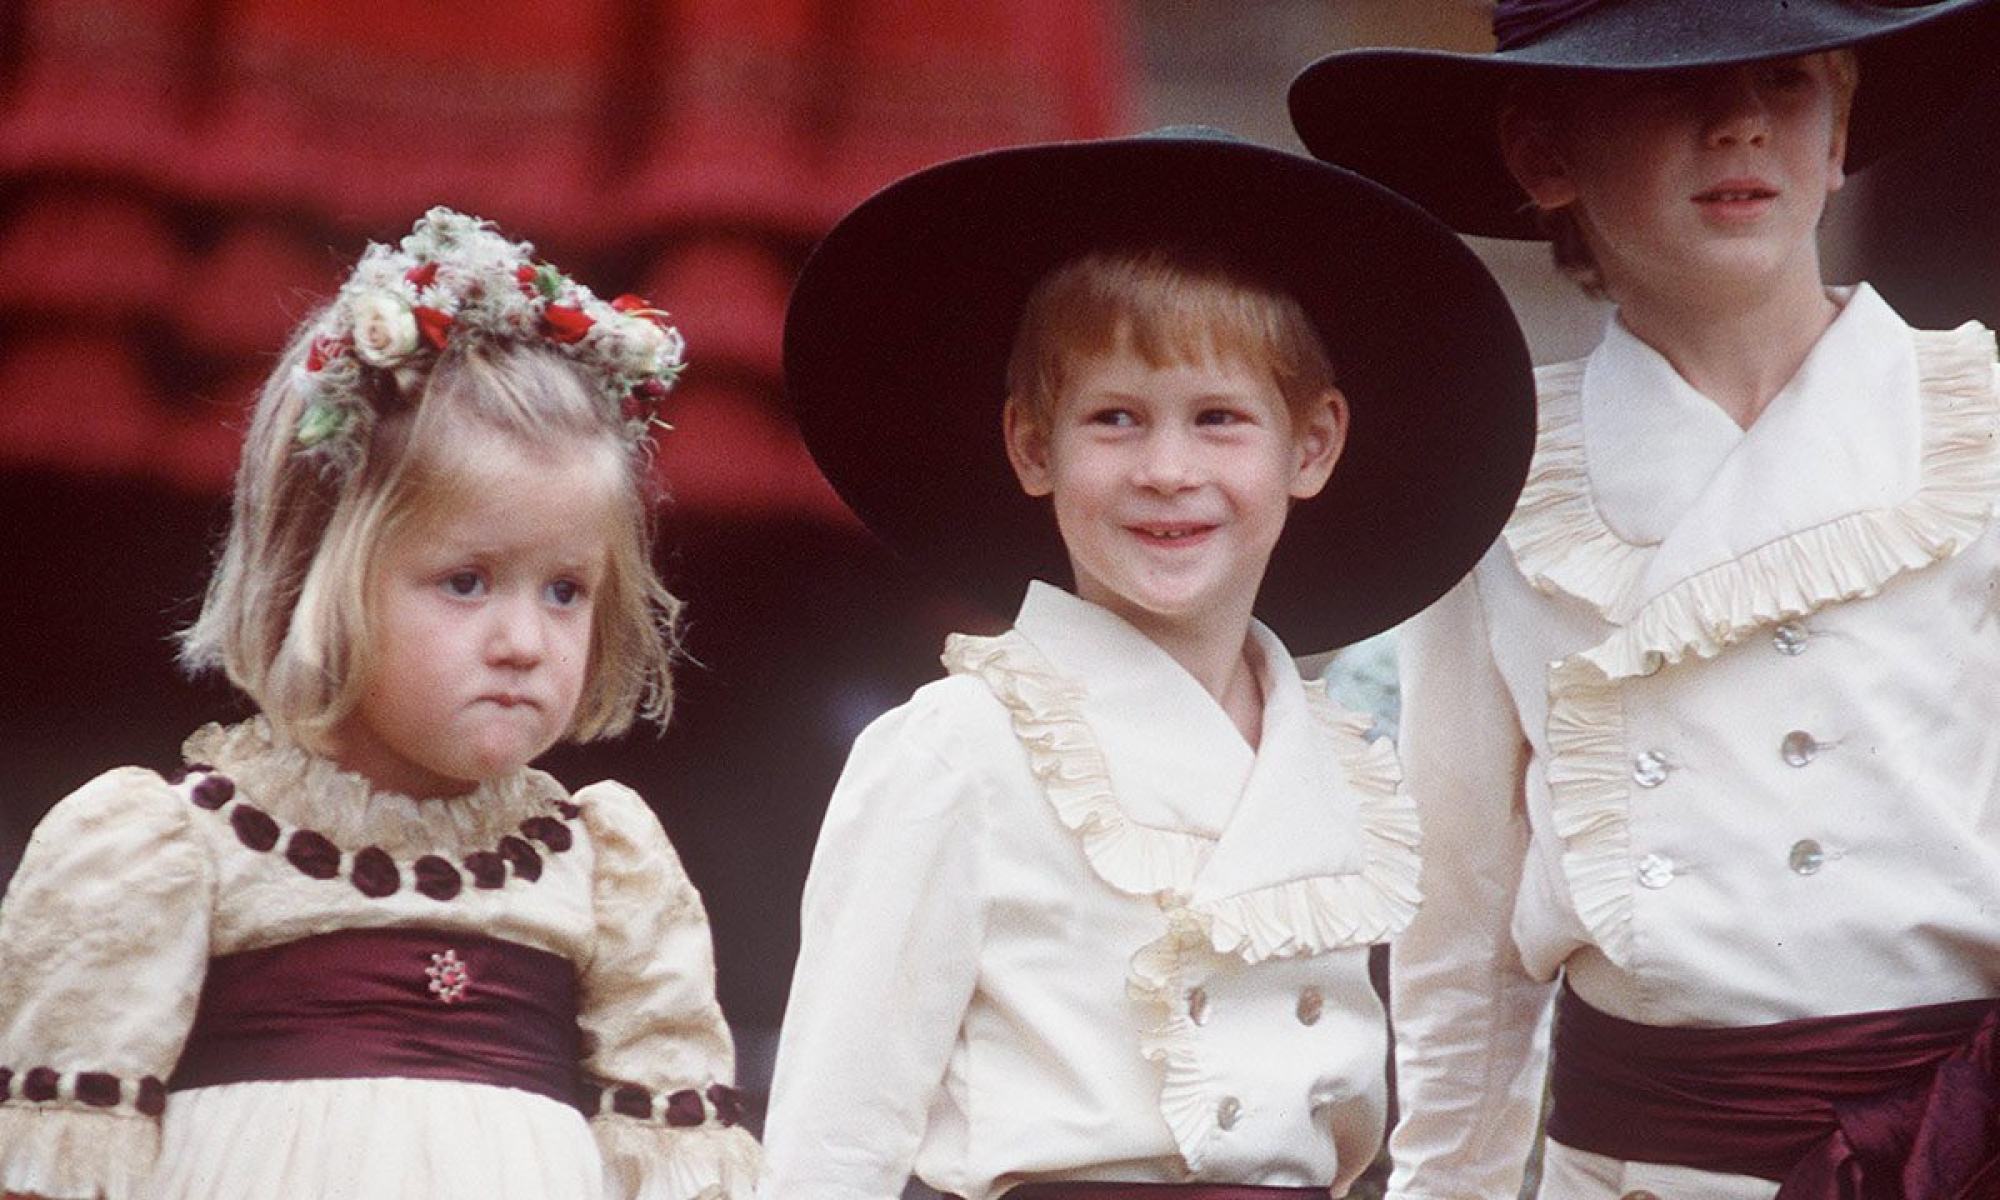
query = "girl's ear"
x=1027 y=448
x=1534 y=158
x=1318 y=439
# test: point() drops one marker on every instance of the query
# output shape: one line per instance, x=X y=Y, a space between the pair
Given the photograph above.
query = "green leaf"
x=320 y=422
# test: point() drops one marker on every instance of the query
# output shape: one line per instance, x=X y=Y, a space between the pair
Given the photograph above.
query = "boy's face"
x=1171 y=484
x=1701 y=177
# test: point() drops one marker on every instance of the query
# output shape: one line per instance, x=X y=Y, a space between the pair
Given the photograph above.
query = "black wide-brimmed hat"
x=900 y=327
x=1426 y=122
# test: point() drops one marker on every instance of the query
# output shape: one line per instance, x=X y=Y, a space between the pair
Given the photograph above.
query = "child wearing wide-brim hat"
x=1709 y=736
x=1095 y=909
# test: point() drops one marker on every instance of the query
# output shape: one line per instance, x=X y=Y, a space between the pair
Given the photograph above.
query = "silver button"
x=1649 y=769
x=1198 y=1006
x=1807 y=856
x=1799 y=748
x=1656 y=871
x=1789 y=638
x=1312 y=1002
x=1228 y=1112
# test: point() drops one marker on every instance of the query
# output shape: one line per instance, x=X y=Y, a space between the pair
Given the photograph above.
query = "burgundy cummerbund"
x=1160 y=1191
x=378 y=1003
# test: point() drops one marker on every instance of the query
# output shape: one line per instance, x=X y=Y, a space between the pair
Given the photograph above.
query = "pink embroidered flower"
x=449 y=978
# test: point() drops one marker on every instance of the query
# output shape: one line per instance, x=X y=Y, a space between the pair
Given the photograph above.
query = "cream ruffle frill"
x=1295 y=918
x=1561 y=541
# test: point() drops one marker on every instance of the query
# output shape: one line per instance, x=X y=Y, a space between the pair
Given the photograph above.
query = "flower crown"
x=456 y=277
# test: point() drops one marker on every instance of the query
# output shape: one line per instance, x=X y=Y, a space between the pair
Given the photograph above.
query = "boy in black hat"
x=1710 y=738
x=1093 y=912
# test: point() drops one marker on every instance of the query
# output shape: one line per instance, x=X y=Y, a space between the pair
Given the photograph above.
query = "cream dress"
x=131 y=884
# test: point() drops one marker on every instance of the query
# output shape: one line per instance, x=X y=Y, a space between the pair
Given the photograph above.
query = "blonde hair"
x=1169 y=307
x=286 y=612
x=1567 y=244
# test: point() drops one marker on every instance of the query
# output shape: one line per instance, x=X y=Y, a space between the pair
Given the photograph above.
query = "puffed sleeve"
x=1470 y=1044
x=655 y=1042
x=893 y=919
x=103 y=944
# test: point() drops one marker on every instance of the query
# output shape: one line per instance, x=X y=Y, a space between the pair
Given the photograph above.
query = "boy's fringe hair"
x=286 y=612
x=1169 y=306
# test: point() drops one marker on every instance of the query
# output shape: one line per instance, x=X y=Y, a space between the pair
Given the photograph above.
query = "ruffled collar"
x=306 y=790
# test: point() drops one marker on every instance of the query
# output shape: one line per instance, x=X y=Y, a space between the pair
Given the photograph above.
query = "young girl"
x=1711 y=737
x=1091 y=916
x=358 y=947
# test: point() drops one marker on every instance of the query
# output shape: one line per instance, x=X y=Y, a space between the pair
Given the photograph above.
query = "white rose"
x=385 y=330
x=636 y=346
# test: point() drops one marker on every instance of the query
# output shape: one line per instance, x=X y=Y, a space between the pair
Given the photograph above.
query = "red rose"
x=640 y=306
x=421 y=275
x=525 y=276
x=566 y=324
x=434 y=324
x=322 y=351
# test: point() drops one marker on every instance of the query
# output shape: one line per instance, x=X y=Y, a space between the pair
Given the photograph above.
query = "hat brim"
x=900 y=327
x=1426 y=122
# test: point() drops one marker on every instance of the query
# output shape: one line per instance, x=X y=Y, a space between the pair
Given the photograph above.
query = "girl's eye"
x=1219 y=416
x=465 y=583
x=565 y=592
x=1113 y=416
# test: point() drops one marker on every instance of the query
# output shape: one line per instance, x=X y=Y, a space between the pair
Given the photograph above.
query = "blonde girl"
x=359 y=947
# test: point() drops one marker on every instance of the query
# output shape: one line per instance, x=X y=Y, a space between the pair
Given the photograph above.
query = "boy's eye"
x=465 y=583
x=1113 y=416
x=564 y=592
x=1219 y=416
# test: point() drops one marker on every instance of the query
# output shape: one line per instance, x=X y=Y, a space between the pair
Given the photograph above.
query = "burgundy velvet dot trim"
x=313 y=854
x=549 y=832
x=375 y=874
x=152 y=1097
x=213 y=792
x=488 y=870
x=436 y=878
x=632 y=1102
x=254 y=827
x=522 y=857
x=684 y=1108
x=6 y=1083
x=39 y=1085
x=569 y=811
x=97 y=1089
x=728 y=1103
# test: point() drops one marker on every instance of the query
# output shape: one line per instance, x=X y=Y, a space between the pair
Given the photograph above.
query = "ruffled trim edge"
x=1848 y=558
x=1158 y=981
x=69 y=1152
x=645 y=1161
x=1047 y=714
x=1559 y=538
x=1303 y=917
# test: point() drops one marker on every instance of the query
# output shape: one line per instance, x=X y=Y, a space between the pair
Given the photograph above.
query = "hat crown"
x=1519 y=22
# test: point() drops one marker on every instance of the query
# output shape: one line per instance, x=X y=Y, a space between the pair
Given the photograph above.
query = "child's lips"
x=1171 y=533
x=1736 y=198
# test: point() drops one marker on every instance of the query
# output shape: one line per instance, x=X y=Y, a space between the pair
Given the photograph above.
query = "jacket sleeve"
x=657 y=1053
x=103 y=947
x=1469 y=1022
x=893 y=920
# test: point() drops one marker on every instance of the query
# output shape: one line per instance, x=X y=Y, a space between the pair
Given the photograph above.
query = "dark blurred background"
x=181 y=180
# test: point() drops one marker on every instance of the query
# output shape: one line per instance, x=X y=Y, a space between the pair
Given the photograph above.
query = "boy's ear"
x=1027 y=448
x=1534 y=158
x=1318 y=439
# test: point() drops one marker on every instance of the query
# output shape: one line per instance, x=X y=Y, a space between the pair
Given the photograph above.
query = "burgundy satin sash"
x=1159 y=1191
x=1897 y=1105
x=372 y=1003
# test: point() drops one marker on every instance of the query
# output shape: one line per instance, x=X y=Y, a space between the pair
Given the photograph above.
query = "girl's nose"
x=517 y=638
x=1735 y=108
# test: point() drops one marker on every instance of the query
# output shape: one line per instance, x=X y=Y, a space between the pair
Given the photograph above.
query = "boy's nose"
x=1735 y=108
x=1168 y=461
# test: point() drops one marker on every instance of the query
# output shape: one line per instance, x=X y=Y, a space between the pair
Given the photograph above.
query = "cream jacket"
x=1063 y=923
x=1715 y=731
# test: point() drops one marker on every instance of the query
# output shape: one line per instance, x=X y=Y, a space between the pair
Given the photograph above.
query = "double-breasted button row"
x=1312 y=1003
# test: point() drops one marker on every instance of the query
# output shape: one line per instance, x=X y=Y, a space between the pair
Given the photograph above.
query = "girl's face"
x=1171 y=484
x=1699 y=177
x=481 y=612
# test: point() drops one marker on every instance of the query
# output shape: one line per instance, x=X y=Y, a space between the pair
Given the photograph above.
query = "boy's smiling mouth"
x=1170 y=532
x=1735 y=196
